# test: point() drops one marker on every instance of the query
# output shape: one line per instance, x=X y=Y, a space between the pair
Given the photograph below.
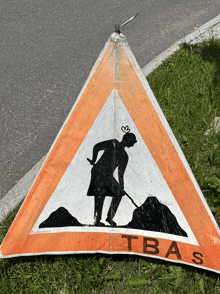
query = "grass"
x=187 y=87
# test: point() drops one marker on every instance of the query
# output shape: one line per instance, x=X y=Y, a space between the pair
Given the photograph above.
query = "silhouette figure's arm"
x=105 y=145
x=121 y=171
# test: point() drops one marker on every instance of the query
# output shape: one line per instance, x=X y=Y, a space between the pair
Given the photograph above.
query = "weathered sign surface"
x=115 y=179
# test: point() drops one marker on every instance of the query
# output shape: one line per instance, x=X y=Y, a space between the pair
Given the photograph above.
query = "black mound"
x=155 y=216
x=60 y=218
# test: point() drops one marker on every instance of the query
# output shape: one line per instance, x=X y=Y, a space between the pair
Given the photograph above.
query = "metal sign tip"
x=118 y=27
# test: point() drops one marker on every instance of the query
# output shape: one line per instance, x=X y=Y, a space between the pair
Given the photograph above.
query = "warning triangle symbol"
x=72 y=189
x=115 y=179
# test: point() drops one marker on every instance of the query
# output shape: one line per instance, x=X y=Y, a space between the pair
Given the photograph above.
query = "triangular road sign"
x=115 y=180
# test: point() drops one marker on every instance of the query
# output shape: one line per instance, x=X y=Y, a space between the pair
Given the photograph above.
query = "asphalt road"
x=47 y=49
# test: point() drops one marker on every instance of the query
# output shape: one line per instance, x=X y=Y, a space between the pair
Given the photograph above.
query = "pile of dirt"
x=60 y=218
x=155 y=216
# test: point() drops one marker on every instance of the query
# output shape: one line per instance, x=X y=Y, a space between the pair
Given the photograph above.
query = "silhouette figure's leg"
x=99 y=201
x=112 y=210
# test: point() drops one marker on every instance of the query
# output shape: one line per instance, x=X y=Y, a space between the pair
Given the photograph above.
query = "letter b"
x=154 y=247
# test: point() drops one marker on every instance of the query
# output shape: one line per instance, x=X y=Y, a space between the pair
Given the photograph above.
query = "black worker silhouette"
x=152 y=215
x=103 y=182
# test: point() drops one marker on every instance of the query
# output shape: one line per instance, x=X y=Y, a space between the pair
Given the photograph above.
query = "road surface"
x=47 y=51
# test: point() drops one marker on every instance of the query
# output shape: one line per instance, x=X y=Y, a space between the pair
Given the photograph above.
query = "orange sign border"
x=115 y=69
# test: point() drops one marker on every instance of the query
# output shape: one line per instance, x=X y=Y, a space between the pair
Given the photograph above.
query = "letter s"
x=199 y=261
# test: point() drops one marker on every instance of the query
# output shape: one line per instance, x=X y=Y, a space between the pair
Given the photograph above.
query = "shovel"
x=130 y=199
